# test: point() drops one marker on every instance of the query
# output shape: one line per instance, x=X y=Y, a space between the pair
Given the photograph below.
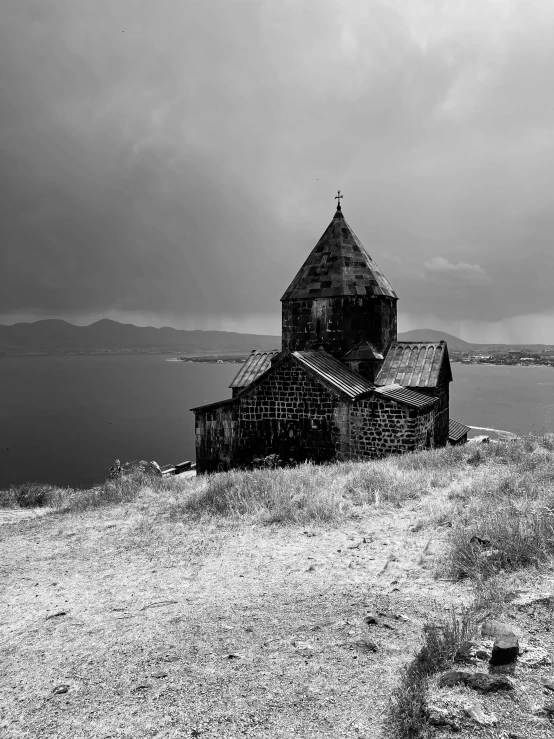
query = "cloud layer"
x=177 y=161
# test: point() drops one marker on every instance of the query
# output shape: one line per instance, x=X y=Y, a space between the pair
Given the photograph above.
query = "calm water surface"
x=65 y=419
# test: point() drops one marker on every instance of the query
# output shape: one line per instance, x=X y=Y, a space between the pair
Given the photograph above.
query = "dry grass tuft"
x=32 y=495
x=407 y=712
x=503 y=518
x=324 y=494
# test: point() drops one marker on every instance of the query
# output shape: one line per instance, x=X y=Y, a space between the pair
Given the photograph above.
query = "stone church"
x=342 y=386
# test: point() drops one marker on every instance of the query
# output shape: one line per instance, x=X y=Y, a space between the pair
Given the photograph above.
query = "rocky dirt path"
x=169 y=629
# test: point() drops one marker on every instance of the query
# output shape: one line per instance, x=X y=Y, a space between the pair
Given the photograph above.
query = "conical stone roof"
x=337 y=266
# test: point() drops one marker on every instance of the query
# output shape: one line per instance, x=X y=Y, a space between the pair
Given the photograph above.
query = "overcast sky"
x=173 y=162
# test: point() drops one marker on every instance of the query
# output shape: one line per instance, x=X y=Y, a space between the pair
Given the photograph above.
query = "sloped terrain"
x=157 y=616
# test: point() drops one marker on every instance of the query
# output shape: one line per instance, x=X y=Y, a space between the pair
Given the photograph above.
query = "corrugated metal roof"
x=413 y=364
x=456 y=430
x=405 y=396
x=334 y=372
x=256 y=363
x=339 y=265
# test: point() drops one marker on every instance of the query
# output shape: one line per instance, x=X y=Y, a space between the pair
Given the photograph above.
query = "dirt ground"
x=131 y=621
x=173 y=629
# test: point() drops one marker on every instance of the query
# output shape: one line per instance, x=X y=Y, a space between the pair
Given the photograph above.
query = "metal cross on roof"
x=338 y=197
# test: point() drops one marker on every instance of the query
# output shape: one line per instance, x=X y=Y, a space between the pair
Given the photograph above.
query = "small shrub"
x=30 y=495
x=114 y=491
x=407 y=714
x=491 y=593
x=300 y=495
x=521 y=534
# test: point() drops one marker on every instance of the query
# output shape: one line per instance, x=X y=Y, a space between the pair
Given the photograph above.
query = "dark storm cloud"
x=180 y=158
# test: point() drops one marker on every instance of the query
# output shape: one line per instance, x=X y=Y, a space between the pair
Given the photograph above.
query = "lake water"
x=64 y=419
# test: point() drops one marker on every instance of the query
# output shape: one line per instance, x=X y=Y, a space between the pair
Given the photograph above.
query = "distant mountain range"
x=55 y=335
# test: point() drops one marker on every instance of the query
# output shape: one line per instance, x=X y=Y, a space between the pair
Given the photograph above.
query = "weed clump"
x=503 y=519
x=407 y=715
x=30 y=495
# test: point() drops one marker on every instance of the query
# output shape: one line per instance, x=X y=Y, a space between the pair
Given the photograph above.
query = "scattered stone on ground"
x=476 y=713
x=485 y=683
x=504 y=650
x=481 y=681
x=439 y=716
x=497 y=629
x=534 y=657
x=471 y=652
x=370 y=619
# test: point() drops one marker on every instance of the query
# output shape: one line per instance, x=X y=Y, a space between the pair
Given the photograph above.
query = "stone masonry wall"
x=379 y=427
x=290 y=414
x=442 y=412
x=338 y=324
x=216 y=437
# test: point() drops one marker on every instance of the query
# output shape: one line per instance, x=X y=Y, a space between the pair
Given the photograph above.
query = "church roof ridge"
x=339 y=265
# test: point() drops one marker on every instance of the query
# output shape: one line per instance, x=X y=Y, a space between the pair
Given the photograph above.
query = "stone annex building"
x=342 y=386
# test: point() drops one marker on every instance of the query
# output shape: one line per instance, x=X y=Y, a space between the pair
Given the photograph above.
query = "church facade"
x=342 y=386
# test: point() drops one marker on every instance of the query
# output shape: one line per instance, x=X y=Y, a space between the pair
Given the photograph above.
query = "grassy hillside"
x=274 y=603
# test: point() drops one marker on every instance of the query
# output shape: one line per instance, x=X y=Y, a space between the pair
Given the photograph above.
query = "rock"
x=438 y=716
x=505 y=650
x=534 y=657
x=466 y=652
x=524 y=599
x=115 y=469
x=548 y=683
x=60 y=689
x=545 y=710
x=485 y=543
x=482 y=654
x=55 y=615
x=488 y=683
x=497 y=629
x=476 y=713
x=453 y=677
x=154 y=468
x=367 y=645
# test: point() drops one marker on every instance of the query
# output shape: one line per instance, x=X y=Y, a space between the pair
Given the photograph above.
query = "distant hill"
x=54 y=335
x=429 y=334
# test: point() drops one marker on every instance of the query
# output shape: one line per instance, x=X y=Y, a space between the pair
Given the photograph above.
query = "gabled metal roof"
x=334 y=372
x=256 y=363
x=339 y=265
x=456 y=430
x=208 y=406
x=414 y=364
x=405 y=397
